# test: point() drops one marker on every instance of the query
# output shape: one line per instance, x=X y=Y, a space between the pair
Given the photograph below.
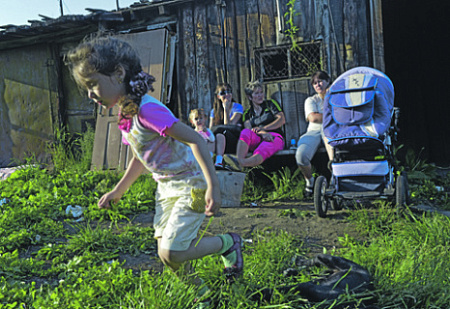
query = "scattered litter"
x=250 y=241
x=440 y=189
x=3 y=201
x=38 y=238
x=253 y=204
x=76 y=211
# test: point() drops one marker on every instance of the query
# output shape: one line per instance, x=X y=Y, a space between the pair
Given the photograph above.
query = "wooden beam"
x=376 y=26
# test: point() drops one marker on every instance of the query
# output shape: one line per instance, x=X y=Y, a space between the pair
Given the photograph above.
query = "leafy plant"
x=286 y=184
x=84 y=148
x=292 y=30
x=418 y=169
x=71 y=152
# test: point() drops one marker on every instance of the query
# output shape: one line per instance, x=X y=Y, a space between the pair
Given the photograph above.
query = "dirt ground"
x=297 y=218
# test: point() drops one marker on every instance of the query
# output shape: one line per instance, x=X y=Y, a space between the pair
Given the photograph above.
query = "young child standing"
x=188 y=189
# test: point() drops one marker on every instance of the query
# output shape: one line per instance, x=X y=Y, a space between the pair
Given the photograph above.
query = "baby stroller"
x=360 y=123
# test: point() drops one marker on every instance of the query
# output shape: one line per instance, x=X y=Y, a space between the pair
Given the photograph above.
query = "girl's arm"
x=132 y=173
x=235 y=118
x=187 y=135
x=227 y=105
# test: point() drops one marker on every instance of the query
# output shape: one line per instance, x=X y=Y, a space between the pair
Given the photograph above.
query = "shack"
x=189 y=46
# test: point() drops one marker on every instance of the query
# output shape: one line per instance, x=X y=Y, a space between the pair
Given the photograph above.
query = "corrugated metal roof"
x=48 y=29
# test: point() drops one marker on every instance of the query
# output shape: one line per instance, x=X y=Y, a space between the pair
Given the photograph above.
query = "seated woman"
x=262 y=133
x=312 y=139
x=225 y=122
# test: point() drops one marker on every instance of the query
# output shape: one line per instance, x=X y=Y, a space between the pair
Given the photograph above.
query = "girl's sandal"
x=233 y=272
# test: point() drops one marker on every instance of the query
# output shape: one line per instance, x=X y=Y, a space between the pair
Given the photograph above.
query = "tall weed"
x=71 y=152
x=285 y=184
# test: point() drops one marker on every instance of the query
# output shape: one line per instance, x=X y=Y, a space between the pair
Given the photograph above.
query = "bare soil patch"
x=295 y=217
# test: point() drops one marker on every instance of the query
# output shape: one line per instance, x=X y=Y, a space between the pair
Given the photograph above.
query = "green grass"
x=47 y=260
x=409 y=257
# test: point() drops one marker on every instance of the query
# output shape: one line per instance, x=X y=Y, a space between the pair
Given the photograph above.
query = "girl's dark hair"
x=320 y=75
x=104 y=54
x=217 y=104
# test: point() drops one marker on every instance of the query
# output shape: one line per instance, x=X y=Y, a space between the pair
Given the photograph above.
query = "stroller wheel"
x=320 y=201
x=401 y=191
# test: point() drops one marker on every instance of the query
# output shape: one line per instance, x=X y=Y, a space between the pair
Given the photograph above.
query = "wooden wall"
x=217 y=42
x=29 y=103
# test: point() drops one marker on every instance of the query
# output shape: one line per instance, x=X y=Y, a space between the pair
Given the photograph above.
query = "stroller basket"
x=361 y=176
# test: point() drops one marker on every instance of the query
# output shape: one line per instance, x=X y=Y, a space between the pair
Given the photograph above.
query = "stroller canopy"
x=358 y=108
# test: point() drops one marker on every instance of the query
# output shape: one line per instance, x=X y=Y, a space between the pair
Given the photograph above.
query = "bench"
x=286 y=152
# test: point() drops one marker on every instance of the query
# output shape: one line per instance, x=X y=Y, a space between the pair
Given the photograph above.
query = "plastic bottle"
x=293 y=144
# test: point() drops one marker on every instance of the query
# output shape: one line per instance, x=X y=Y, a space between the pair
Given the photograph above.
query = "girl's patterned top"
x=165 y=157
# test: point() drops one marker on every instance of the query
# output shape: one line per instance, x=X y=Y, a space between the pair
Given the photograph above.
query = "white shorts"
x=176 y=222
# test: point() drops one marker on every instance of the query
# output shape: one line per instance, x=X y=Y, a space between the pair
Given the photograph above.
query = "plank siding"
x=244 y=54
x=268 y=20
x=215 y=49
x=188 y=76
x=201 y=60
x=218 y=41
x=253 y=31
x=376 y=26
x=233 y=37
x=306 y=20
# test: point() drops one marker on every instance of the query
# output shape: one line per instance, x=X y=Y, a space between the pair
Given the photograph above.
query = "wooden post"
x=376 y=26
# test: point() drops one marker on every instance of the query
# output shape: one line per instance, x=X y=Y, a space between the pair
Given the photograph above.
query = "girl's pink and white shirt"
x=165 y=157
x=208 y=135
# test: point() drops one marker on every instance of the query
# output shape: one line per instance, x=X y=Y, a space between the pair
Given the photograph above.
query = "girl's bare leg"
x=220 y=144
x=174 y=259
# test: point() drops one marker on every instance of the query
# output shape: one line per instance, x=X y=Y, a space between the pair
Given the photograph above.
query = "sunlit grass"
x=48 y=260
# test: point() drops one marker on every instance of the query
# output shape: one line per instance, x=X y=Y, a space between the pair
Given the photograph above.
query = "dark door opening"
x=415 y=43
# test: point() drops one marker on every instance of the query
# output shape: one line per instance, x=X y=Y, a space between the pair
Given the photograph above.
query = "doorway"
x=416 y=61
